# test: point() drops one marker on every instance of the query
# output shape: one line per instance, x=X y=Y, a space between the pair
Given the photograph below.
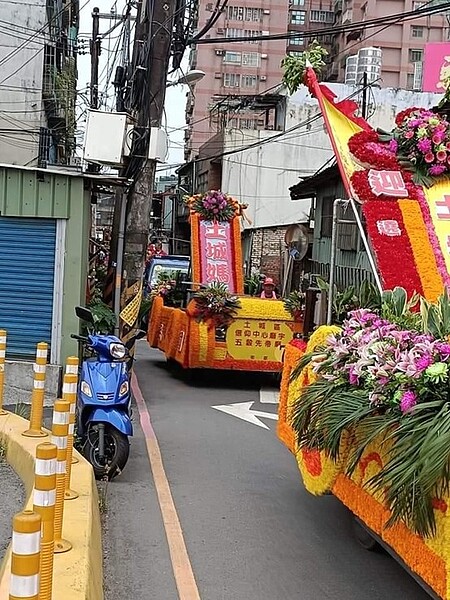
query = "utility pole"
x=159 y=42
x=95 y=49
x=364 y=98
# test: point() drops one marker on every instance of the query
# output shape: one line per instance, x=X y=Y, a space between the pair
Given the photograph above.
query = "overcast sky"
x=176 y=95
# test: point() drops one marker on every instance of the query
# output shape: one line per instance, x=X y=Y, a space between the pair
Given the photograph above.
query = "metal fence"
x=344 y=276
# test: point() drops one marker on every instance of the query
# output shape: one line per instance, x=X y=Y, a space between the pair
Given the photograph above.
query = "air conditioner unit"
x=219 y=52
x=220 y=30
x=263 y=56
x=263 y=78
x=266 y=11
x=217 y=75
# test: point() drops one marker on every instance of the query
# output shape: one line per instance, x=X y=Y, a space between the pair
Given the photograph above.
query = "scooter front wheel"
x=116 y=451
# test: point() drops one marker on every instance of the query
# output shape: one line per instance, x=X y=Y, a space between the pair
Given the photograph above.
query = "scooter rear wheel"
x=117 y=450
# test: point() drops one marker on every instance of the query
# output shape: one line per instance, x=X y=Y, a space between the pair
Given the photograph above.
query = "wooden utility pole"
x=95 y=48
x=159 y=42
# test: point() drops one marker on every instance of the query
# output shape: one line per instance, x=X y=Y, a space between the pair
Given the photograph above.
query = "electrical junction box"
x=159 y=145
x=104 y=137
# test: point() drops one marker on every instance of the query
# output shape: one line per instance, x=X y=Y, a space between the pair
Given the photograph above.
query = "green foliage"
x=294 y=303
x=294 y=67
x=398 y=309
x=436 y=317
x=215 y=304
x=351 y=298
x=104 y=318
x=252 y=283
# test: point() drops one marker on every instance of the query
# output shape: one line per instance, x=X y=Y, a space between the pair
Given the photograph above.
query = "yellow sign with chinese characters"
x=438 y=198
x=249 y=339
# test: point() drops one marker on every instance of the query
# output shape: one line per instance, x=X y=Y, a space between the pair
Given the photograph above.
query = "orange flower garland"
x=422 y=250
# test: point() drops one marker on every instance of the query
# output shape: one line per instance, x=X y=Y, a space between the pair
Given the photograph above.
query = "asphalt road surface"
x=251 y=531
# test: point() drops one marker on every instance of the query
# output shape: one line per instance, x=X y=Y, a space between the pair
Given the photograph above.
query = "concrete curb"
x=78 y=574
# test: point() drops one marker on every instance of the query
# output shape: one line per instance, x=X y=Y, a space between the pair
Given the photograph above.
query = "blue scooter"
x=103 y=400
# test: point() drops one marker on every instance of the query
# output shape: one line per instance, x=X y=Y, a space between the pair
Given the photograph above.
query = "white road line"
x=269 y=396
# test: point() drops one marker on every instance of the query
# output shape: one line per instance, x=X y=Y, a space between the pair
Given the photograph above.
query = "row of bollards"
x=38 y=533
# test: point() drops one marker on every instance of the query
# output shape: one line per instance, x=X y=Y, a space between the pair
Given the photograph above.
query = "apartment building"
x=38 y=82
x=393 y=55
x=235 y=68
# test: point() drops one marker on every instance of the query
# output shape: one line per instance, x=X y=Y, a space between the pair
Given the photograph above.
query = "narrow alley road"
x=250 y=529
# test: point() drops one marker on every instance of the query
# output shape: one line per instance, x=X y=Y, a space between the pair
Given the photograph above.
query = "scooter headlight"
x=86 y=389
x=124 y=388
x=117 y=350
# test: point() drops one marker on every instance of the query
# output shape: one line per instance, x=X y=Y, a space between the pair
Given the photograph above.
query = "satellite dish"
x=296 y=240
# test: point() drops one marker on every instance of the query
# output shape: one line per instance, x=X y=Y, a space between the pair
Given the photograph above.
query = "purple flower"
x=424 y=145
x=393 y=146
x=423 y=362
x=437 y=169
x=443 y=349
x=353 y=377
x=408 y=401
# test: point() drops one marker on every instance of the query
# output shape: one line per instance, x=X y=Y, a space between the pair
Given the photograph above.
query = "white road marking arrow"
x=269 y=396
x=241 y=410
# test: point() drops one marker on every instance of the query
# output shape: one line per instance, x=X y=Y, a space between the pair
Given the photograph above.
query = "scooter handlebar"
x=80 y=338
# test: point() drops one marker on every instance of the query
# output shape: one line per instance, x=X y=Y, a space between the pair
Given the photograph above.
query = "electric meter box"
x=104 y=137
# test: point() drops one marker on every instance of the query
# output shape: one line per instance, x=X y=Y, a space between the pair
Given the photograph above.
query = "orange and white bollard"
x=60 y=431
x=25 y=547
x=37 y=398
x=44 y=497
x=72 y=365
x=70 y=394
x=2 y=368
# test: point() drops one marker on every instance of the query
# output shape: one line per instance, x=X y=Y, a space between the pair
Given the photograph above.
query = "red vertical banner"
x=216 y=253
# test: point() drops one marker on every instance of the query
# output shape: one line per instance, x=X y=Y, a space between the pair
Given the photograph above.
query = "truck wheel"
x=117 y=450
x=363 y=536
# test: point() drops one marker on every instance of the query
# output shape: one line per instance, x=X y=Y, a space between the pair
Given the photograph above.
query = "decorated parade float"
x=365 y=403
x=220 y=328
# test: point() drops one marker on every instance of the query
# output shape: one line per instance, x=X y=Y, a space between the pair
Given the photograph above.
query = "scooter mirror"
x=84 y=314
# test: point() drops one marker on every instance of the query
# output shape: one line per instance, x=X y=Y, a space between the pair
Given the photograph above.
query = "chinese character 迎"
x=389 y=227
x=389 y=183
x=444 y=74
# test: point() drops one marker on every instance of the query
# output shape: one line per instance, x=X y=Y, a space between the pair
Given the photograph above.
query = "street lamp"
x=189 y=79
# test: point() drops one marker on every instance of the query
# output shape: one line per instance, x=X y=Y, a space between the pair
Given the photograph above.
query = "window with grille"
x=298 y=17
x=297 y=2
x=231 y=79
x=251 y=59
x=297 y=41
x=232 y=57
x=321 y=16
x=415 y=55
x=416 y=32
x=248 y=81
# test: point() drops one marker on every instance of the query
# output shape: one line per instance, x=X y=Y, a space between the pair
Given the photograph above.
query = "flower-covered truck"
x=365 y=406
x=219 y=327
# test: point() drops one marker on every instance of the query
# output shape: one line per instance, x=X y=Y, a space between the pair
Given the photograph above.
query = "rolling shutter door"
x=27 y=262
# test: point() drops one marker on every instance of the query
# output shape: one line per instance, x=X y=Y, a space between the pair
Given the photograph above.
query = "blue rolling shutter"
x=27 y=262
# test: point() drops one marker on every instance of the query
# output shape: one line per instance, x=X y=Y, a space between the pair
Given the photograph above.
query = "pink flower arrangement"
x=423 y=139
x=397 y=368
